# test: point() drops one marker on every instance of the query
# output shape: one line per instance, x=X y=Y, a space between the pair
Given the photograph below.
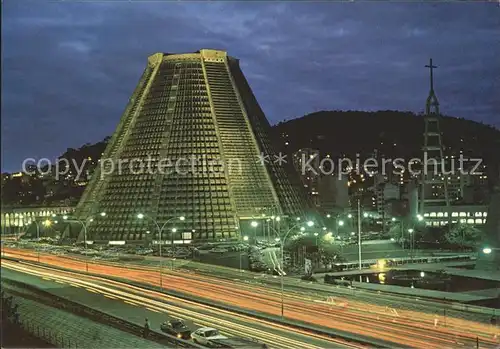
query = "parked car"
x=176 y=328
x=204 y=335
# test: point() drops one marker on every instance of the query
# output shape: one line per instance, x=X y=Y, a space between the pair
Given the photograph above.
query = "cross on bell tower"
x=432 y=105
x=434 y=184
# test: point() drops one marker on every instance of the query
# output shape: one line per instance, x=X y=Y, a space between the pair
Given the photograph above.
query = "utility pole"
x=359 y=234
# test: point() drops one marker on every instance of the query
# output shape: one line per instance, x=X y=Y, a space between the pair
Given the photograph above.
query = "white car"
x=204 y=335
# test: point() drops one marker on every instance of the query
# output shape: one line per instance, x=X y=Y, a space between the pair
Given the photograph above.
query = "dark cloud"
x=69 y=68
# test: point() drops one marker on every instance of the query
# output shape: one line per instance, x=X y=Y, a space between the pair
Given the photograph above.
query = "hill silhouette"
x=392 y=133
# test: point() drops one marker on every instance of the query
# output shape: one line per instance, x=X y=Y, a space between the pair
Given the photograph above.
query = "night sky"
x=69 y=68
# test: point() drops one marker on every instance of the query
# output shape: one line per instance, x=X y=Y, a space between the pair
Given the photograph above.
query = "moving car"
x=176 y=328
x=205 y=335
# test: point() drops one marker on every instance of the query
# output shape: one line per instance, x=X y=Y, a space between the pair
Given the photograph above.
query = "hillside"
x=392 y=133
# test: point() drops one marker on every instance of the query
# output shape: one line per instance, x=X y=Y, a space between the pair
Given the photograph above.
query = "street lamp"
x=282 y=243
x=316 y=235
x=46 y=223
x=420 y=218
x=487 y=250
x=341 y=223
x=349 y=215
x=84 y=225
x=410 y=231
x=160 y=229
x=365 y=215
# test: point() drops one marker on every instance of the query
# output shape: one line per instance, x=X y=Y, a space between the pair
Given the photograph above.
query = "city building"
x=333 y=193
x=460 y=214
x=196 y=159
x=307 y=162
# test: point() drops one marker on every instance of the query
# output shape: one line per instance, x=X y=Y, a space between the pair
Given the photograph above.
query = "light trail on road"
x=230 y=322
x=360 y=319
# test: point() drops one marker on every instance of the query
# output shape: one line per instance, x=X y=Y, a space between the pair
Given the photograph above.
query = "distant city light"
x=310 y=223
x=254 y=224
x=487 y=250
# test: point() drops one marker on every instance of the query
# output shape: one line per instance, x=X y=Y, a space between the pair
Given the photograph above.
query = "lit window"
x=433 y=214
x=454 y=214
x=479 y=221
x=440 y=214
x=463 y=214
x=470 y=221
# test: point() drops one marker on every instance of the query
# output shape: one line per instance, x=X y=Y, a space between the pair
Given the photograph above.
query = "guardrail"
x=55 y=338
x=367 y=263
x=100 y=317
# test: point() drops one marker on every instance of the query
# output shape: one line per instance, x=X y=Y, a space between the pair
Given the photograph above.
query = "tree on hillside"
x=465 y=235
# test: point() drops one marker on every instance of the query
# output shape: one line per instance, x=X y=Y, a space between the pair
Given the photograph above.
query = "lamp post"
x=38 y=239
x=84 y=225
x=282 y=273
x=245 y=238
x=160 y=230
x=255 y=224
x=410 y=231
x=359 y=234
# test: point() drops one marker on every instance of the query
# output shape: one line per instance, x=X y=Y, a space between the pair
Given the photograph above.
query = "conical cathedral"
x=192 y=143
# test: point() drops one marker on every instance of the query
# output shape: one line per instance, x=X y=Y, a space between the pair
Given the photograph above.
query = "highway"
x=342 y=314
x=135 y=304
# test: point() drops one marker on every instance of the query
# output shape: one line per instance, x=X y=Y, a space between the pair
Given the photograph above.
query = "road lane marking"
x=150 y=309
x=74 y=285
x=130 y=303
x=110 y=297
x=88 y=289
